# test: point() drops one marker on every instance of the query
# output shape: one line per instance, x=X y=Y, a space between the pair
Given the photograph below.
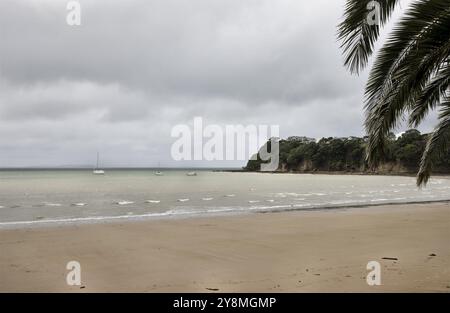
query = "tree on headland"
x=410 y=75
x=348 y=154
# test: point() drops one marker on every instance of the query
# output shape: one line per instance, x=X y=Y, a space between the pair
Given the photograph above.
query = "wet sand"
x=300 y=251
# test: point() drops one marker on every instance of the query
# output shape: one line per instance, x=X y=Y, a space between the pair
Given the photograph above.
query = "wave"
x=124 y=202
x=293 y=194
x=40 y=220
x=52 y=204
x=79 y=204
x=152 y=201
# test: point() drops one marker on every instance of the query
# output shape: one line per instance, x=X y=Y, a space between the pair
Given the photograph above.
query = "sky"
x=118 y=83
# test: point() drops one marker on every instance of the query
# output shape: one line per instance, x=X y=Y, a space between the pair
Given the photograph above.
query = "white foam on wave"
x=2 y=207
x=270 y=200
x=40 y=220
x=152 y=201
x=52 y=204
x=183 y=200
x=376 y=200
x=220 y=210
x=272 y=207
x=79 y=204
x=344 y=202
x=254 y=201
x=207 y=199
x=131 y=216
x=124 y=202
x=230 y=196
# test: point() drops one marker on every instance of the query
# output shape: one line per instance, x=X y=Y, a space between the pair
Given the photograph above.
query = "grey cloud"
x=118 y=83
x=253 y=51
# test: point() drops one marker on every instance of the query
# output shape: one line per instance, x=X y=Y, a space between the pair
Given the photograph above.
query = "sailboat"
x=98 y=171
x=158 y=172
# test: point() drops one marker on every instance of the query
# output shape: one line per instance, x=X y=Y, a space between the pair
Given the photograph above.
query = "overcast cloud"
x=134 y=69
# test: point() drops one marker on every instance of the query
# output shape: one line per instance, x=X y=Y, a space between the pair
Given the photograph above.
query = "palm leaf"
x=431 y=96
x=414 y=52
x=357 y=36
x=437 y=144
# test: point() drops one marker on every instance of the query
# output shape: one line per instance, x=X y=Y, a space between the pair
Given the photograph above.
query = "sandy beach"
x=304 y=251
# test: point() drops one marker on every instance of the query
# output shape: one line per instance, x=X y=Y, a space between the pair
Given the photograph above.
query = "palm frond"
x=414 y=52
x=430 y=96
x=437 y=145
x=357 y=37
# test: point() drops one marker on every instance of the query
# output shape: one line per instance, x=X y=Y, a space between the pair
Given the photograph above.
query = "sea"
x=54 y=197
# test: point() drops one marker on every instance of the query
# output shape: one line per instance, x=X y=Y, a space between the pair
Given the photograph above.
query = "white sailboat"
x=98 y=171
x=158 y=172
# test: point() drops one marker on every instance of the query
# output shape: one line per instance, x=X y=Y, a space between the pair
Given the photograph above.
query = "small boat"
x=98 y=171
x=158 y=172
x=191 y=174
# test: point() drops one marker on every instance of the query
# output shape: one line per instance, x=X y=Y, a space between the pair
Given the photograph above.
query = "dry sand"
x=274 y=252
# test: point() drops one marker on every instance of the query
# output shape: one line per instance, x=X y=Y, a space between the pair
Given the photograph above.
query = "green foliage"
x=348 y=154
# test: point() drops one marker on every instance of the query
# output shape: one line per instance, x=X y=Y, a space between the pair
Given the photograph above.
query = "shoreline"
x=94 y=220
x=302 y=251
x=343 y=173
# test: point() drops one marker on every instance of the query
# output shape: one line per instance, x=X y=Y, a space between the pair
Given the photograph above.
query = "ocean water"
x=29 y=198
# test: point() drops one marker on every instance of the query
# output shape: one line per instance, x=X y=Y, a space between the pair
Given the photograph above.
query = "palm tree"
x=410 y=75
